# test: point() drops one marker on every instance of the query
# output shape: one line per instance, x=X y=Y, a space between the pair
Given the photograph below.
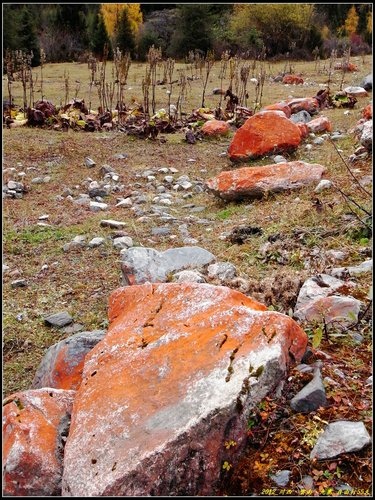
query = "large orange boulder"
x=255 y=182
x=266 y=132
x=174 y=379
x=215 y=127
x=35 y=425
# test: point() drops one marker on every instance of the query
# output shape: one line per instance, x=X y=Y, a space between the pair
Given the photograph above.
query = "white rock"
x=323 y=184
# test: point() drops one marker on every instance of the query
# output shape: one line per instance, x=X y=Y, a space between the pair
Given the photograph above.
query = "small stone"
x=127 y=202
x=112 y=223
x=96 y=242
x=281 y=478
x=89 y=162
x=96 y=207
x=279 y=159
x=43 y=217
x=18 y=283
x=58 y=319
x=323 y=184
x=123 y=242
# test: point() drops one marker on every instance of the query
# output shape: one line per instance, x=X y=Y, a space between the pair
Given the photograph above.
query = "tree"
x=157 y=30
x=192 y=30
x=351 y=22
x=27 y=36
x=123 y=34
x=111 y=14
x=291 y=29
x=99 y=38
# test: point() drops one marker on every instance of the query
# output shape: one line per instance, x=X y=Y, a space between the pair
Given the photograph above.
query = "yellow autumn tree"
x=369 y=22
x=351 y=22
x=111 y=14
x=277 y=25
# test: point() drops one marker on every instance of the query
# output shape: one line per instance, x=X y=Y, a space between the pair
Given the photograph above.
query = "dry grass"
x=80 y=281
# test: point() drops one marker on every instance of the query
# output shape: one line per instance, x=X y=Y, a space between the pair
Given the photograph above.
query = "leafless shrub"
x=208 y=63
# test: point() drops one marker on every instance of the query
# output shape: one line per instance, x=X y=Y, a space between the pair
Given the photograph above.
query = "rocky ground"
x=75 y=205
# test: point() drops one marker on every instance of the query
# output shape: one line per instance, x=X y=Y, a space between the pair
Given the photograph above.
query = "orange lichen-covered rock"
x=177 y=375
x=265 y=132
x=292 y=80
x=62 y=365
x=303 y=129
x=255 y=182
x=367 y=112
x=309 y=104
x=215 y=127
x=320 y=124
x=279 y=106
x=35 y=425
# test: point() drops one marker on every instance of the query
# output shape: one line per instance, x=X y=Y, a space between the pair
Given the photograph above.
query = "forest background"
x=71 y=32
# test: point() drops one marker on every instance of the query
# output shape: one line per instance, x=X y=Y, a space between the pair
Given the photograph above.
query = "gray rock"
x=125 y=203
x=16 y=186
x=311 y=397
x=318 y=286
x=95 y=242
x=367 y=82
x=323 y=184
x=120 y=156
x=112 y=223
x=97 y=207
x=73 y=328
x=363 y=268
x=73 y=350
x=356 y=91
x=191 y=276
x=89 y=162
x=281 y=478
x=336 y=255
x=279 y=159
x=77 y=242
x=301 y=117
x=58 y=319
x=98 y=191
x=160 y=231
x=318 y=141
x=341 y=437
x=142 y=265
x=306 y=483
x=123 y=242
x=222 y=270
x=366 y=135
x=21 y=283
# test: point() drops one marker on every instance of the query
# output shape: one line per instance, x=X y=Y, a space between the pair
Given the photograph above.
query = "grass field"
x=62 y=82
x=80 y=281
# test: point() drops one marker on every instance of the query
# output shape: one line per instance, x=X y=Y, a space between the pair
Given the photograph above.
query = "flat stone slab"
x=255 y=182
x=141 y=265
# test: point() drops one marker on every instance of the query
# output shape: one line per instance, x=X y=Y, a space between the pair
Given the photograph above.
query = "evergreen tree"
x=99 y=38
x=193 y=29
x=10 y=23
x=123 y=36
x=27 y=36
